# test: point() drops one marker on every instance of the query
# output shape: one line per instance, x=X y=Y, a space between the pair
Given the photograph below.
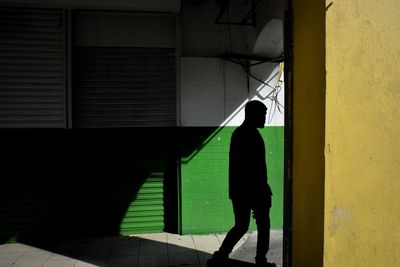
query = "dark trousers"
x=242 y=211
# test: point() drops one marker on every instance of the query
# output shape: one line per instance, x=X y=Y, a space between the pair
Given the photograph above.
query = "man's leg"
x=242 y=212
x=261 y=213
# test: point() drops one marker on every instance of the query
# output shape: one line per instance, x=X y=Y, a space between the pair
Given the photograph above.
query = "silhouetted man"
x=248 y=187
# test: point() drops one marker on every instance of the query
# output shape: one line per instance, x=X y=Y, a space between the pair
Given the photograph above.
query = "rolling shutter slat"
x=32 y=79
x=124 y=87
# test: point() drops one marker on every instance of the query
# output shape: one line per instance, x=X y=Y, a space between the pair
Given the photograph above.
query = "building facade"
x=116 y=117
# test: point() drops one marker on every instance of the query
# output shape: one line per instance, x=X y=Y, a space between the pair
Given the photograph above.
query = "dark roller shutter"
x=124 y=87
x=32 y=86
x=132 y=88
x=33 y=184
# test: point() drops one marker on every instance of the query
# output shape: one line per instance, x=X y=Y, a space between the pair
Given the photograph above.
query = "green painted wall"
x=206 y=207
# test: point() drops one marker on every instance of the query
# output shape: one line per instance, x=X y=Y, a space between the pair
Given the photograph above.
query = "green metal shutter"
x=32 y=79
x=133 y=88
x=124 y=87
x=146 y=213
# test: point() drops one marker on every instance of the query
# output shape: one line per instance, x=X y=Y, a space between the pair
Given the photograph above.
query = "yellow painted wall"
x=308 y=132
x=346 y=130
x=362 y=194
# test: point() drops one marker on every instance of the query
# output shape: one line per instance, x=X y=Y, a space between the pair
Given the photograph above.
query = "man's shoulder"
x=245 y=131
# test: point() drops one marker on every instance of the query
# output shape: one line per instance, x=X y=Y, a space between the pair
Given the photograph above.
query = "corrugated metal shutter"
x=123 y=177
x=32 y=79
x=146 y=213
x=116 y=87
x=124 y=87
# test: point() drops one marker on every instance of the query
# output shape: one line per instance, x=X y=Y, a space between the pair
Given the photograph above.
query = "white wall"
x=213 y=92
x=203 y=91
x=272 y=93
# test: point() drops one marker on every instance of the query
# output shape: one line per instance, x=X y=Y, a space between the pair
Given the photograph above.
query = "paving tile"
x=10 y=257
x=241 y=242
x=203 y=257
x=126 y=246
x=95 y=251
x=33 y=257
x=60 y=262
x=153 y=250
x=248 y=250
x=127 y=241
x=2 y=246
x=181 y=240
x=104 y=241
x=181 y=250
x=68 y=251
x=220 y=237
x=124 y=261
x=206 y=243
x=124 y=251
x=93 y=259
x=181 y=256
x=93 y=243
x=90 y=249
x=151 y=260
x=36 y=255
x=29 y=263
x=56 y=256
x=5 y=264
x=84 y=264
x=160 y=237
x=158 y=248
x=16 y=247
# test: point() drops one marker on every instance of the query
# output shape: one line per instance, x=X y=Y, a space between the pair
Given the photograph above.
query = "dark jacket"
x=247 y=166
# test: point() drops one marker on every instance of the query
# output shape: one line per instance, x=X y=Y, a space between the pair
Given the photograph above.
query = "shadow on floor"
x=114 y=252
x=159 y=250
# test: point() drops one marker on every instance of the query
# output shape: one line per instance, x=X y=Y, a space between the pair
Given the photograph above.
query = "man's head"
x=255 y=112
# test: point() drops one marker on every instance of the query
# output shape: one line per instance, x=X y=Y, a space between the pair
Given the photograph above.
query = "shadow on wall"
x=61 y=184
x=194 y=139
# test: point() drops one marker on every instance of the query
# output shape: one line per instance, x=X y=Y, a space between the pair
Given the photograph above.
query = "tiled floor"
x=147 y=250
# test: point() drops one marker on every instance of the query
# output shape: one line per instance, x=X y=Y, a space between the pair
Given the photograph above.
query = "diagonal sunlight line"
x=275 y=104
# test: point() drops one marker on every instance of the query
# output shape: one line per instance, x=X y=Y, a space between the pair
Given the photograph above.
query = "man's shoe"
x=218 y=260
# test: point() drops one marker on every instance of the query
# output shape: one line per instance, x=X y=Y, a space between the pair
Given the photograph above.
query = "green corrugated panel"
x=148 y=227
x=146 y=212
x=144 y=207
x=144 y=217
x=146 y=202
